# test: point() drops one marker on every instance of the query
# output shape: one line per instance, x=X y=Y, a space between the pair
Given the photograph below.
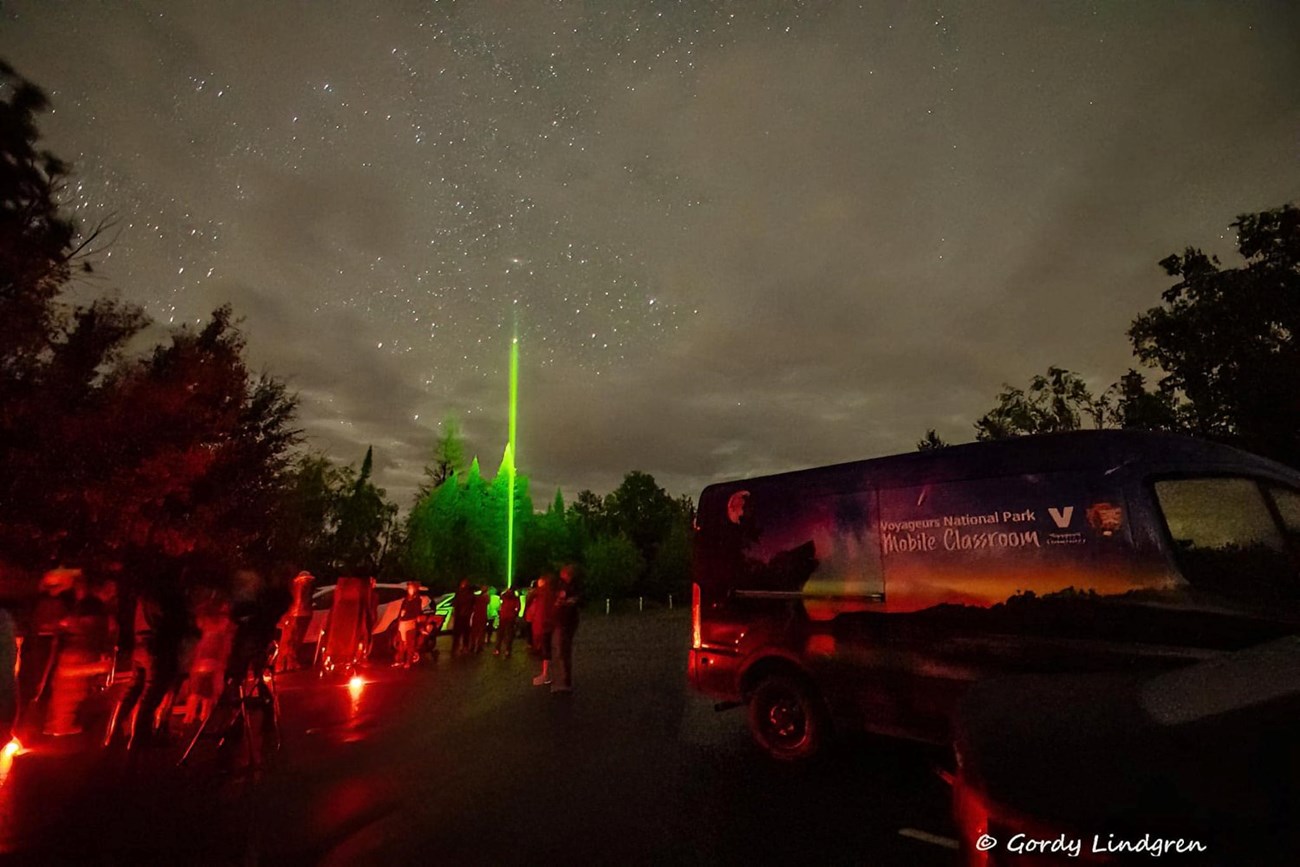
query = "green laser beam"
x=510 y=462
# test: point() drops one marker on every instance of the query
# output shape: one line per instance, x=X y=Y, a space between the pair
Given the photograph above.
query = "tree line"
x=1222 y=349
x=633 y=541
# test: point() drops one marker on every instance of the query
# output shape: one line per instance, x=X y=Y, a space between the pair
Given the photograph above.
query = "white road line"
x=926 y=837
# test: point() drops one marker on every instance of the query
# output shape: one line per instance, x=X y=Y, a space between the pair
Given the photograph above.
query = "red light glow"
x=695 y=616
x=11 y=749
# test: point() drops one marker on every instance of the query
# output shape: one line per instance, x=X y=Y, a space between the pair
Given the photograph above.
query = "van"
x=868 y=595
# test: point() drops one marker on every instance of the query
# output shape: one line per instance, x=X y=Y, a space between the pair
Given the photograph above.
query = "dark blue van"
x=868 y=595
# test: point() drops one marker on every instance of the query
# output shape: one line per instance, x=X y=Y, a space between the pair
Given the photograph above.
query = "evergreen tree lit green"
x=457 y=530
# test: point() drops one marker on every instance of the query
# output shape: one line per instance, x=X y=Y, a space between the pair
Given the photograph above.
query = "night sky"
x=737 y=237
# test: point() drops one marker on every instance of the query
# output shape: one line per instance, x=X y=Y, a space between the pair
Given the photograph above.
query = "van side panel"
x=896 y=582
x=980 y=541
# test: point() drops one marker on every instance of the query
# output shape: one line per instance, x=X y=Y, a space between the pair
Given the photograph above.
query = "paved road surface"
x=465 y=762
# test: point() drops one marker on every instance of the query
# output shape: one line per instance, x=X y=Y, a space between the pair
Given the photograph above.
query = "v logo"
x=1061 y=516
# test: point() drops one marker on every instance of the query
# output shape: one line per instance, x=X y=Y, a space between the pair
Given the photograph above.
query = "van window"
x=1226 y=540
x=1288 y=506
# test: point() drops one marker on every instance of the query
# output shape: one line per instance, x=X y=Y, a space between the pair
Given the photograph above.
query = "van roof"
x=1075 y=450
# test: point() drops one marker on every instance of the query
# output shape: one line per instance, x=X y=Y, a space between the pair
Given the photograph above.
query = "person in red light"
x=542 y=608
x=12 y=585
x=295 y=622
x=255 y=609
x=40 y=644
x=83 y=642
x=529 y=615
x=207 y=676
x=106 y=592
x=478 y=619
x=408 y=621
x=160 y=629
x=567 y=598
x=8 y=683
x=462 y=608
x=508 y=616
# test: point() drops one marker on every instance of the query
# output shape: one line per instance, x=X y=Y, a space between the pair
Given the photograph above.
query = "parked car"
x=870 y=595
x=442 y=605
x=1201 y=764
x=390 y=603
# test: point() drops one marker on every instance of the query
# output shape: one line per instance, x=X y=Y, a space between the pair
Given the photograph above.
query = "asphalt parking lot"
x=463 y=760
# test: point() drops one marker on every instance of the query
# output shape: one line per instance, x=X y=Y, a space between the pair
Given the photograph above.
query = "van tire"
x=787 y=719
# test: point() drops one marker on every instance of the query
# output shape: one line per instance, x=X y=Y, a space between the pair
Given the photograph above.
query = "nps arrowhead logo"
x=1061 y=516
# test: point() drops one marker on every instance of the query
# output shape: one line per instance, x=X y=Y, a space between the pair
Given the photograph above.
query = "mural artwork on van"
x=772 y=542
x=975 y=542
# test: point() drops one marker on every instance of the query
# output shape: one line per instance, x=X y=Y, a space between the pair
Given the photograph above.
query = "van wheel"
x=786 y=718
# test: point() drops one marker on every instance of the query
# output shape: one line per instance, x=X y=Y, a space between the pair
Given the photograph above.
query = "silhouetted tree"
x=365 y=522
x=1226 y=337
x=671 y=570
x=930 y=441
x=36 y=238
x=588 y=516
x=1130 y=405
x=1056 y=402
x=313 y=497
x=547 y=542
x=642 y=511
x=613 y=566
x=448 y=456
x=186 y=455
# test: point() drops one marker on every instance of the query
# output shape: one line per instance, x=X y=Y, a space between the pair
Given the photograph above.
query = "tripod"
x=237 y=695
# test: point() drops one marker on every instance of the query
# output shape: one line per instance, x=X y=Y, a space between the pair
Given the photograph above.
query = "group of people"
x=177 y=650
x=471 y=615
x=552 y=614
x=182 y=649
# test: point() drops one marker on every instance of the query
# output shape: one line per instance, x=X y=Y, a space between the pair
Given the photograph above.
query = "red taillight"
x=695 y=616
x=972 y=823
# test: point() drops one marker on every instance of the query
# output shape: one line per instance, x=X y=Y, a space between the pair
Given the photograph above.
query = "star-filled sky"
x=737 y=237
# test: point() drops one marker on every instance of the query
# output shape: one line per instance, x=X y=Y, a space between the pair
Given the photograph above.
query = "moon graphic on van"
x=736 y=506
